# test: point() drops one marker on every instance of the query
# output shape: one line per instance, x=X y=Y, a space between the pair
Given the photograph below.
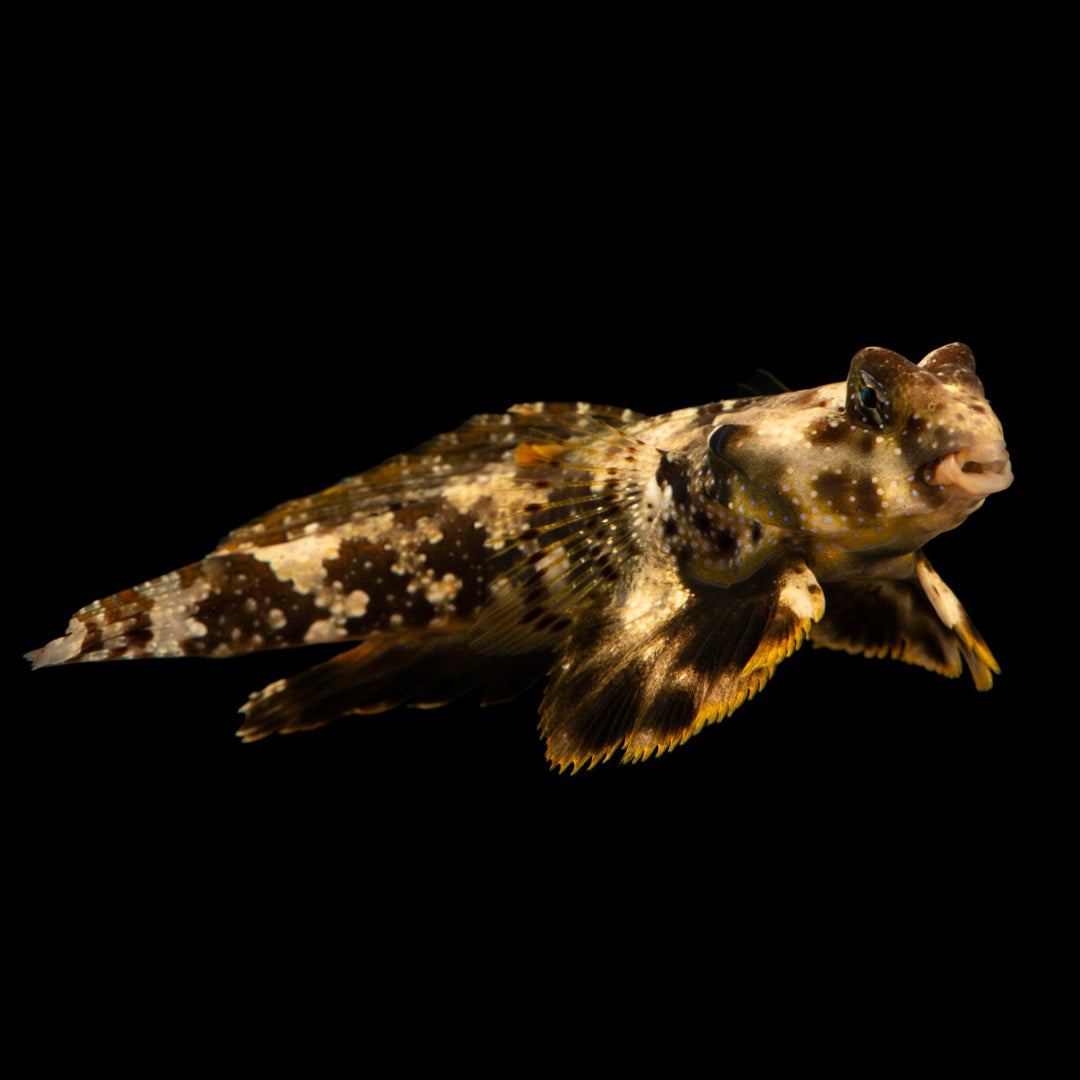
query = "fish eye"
x=870 y=402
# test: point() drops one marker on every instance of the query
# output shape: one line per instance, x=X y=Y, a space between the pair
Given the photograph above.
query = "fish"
x=654 y=571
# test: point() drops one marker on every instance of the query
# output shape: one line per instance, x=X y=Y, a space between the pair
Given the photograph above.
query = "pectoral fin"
x=918 y=620
x=642 y=678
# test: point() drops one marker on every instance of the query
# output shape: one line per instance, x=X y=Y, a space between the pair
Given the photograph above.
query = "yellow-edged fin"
x=643 y=676
x=916 y=620
x=980 y=660
x=799 y=604
x=657 y=569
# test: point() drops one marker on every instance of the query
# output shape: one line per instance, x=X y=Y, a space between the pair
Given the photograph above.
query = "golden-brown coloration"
x=657 y=570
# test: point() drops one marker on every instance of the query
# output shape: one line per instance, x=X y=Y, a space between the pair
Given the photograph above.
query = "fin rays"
x=707 y=654
x=916 y=620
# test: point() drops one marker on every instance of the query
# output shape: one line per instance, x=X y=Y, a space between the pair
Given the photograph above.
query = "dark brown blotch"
x=606 y=715
x=909 y=437
x=833 y=488
x=826 y=434
x=671 y=712
x=671 y=474
x=725 y=544
x=867 y=502
x=245 y=590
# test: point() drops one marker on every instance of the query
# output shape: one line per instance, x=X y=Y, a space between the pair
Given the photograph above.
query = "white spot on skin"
x=375 y=528
x=356 y=603
x=171 y=616
x=427 y=530
x=301 y=561
x=439 y=592
x=323 y=630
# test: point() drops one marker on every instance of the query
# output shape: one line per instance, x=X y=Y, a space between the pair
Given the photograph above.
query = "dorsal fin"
x=569 y=517
x=761 y=383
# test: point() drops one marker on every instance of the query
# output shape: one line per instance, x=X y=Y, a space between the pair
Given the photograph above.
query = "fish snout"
x=979 y=470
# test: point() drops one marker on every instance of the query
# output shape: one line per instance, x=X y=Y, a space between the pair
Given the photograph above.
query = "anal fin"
x=389 y=669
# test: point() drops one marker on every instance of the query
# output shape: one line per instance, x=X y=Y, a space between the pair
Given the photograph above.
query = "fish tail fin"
x=157 y=618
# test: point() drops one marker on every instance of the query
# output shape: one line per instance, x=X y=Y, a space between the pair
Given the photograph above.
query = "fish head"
x=886 y=460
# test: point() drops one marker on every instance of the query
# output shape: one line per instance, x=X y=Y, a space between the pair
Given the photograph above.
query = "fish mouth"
x=979 y=470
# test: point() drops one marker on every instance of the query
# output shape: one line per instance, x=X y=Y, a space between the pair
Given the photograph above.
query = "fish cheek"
x=834 y=490
x=917 y=441
x=718 y=483
x=865 y=500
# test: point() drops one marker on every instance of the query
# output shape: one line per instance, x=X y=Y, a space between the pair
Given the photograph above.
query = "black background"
x=207 y=388
x=231 y=307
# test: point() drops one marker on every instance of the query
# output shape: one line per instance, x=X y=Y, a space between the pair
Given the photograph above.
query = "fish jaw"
x=979 y=470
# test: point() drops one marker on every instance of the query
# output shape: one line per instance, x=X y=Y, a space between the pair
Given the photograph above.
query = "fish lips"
x=978 y=470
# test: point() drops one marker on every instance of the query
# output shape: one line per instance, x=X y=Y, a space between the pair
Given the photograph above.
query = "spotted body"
x=656 y=570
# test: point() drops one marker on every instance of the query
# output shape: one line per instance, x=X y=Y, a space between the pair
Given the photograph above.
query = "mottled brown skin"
x=656 y=570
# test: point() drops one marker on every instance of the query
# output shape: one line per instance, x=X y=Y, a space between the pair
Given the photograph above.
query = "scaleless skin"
x=657 y=569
